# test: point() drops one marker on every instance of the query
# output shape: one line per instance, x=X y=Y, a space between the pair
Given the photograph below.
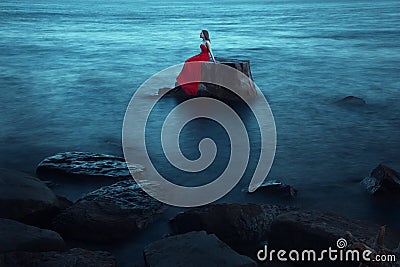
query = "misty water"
x=69 y=69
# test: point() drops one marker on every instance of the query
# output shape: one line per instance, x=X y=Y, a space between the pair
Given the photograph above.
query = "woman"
x=192 y=71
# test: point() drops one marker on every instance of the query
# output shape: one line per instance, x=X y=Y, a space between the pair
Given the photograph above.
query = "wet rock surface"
x=383 y=181
x=75 y=257
x=109 y=213
x=277 y=188
x=312 y=229
x=242 y=226
x=121 y=210
x=87 y=165
x=16 y=236
x=193 y=249
x=26 y=198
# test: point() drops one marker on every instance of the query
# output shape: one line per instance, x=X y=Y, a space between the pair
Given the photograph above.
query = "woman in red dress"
x=192 y=71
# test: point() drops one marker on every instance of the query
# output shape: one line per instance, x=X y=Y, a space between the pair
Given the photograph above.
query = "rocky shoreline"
x=36 y=225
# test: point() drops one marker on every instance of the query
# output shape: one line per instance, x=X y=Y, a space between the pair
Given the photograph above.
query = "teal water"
x=69 y=69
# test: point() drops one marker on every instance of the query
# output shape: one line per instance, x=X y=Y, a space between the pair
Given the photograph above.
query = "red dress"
x=192 y=71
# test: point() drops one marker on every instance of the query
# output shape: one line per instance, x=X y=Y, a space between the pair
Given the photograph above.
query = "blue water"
x=69 y=69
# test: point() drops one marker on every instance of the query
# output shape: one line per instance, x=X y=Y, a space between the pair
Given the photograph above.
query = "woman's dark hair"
x=206 y=35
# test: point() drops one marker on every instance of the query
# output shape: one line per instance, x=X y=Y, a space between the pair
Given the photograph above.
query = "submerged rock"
x=16 y=236
x=87 y=165
x=109 y=213
x=277 y=187
x=75 y=257
x=383 y=181
x=242 y=226
x=318 y=230
x=352 y=101
x=26 y=198
x=193 y=249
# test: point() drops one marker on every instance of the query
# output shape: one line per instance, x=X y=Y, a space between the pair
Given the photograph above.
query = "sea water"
x=69 y=68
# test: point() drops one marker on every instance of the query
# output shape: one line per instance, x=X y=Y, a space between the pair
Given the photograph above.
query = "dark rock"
x=109 y=213
x=16 y=236
x=64 y=202
x=276 y=187
x=209 y=73
x=87 y=165
x=317 y=230
x=25 y=198
x=223 y=93
x=75 y=257
x=239 y=64
x=377 y=248
x=50 y=184
x=242 y=226
x=383 y=181
x=193 y=249
x=352 y=101
x=165 y=90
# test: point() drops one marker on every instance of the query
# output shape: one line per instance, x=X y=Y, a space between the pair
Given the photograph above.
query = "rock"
x=87 y=165
x=383 y=181
x=209 y=73
x=220 y=92
x=241 y=65
x=75 y=257
x=377 y=248
x=352 y=101
x=25 y=198
x=318 y=230
x=242 y=226
x=276 y=187
x=193 y=249
x=109 y=213
x=16 y=236
x=50 y=184
x=64 y=202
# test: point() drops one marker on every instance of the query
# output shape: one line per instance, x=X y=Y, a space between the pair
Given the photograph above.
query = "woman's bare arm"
x=209 y=50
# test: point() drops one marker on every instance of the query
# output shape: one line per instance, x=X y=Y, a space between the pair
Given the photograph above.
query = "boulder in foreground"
x=241 y=226
x=109 y=213
x=87 y=165
x=75 y=257
x=16 y=236
x=319 y=230
x=193 y=249
x=25 y=198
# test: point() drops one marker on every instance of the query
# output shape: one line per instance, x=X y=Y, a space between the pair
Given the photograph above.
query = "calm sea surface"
x=69 y=68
